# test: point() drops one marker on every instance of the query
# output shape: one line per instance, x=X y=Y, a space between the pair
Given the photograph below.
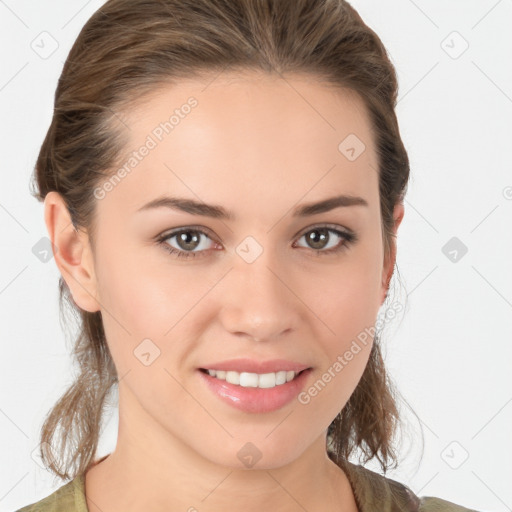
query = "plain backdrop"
x=449 y=353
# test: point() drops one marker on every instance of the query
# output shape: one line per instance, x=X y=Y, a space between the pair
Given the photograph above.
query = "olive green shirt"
x=373 y=493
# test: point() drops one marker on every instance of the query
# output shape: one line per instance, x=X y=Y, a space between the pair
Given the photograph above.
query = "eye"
x=190 y=242
x=328 y=240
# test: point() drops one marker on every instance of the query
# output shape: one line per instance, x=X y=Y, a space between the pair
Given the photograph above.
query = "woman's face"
x=257 y=274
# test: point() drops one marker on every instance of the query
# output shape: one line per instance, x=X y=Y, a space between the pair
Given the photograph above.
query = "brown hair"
x=128 y=48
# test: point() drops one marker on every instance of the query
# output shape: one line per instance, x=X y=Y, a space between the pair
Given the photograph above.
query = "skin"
x=259 y=146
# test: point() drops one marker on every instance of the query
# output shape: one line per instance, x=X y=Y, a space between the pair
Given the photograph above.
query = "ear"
x=389 y=260
x=73 y=254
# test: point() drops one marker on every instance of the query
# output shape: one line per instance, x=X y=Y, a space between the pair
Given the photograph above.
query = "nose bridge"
x=258 y=301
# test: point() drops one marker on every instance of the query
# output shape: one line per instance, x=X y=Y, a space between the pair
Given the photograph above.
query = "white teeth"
x=249 y=380
x=233 y=377
x=280 y=377
x=254 y=380
x=267 y=380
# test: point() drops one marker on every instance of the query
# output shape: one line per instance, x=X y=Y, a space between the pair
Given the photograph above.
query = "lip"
x=256 y=400
x=253 y=366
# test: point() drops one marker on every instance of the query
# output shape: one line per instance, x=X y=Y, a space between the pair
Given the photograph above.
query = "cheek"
x=348 y=306
x=348 y=300
x=148 y=301
x=350 y=317
x=143 y=292
x=131 y=300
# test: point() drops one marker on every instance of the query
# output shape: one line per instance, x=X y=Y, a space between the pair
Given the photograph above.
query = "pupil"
x=318 y=242
x=187 y=241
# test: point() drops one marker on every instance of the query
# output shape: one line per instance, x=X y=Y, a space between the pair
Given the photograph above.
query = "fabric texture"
x=68 y=498
x=373 y=493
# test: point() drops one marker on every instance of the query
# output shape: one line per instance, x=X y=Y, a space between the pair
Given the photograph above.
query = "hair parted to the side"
x=130 y=47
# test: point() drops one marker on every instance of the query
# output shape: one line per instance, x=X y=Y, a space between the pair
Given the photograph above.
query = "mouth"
x=254 y=380
x=258 y=390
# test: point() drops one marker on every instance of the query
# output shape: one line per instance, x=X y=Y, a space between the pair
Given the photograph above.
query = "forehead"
x=269 y=138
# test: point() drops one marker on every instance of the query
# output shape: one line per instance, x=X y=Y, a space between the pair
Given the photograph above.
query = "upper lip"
x=254 y=366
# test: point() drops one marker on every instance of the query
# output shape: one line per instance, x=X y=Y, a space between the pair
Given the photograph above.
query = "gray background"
x=449 y=353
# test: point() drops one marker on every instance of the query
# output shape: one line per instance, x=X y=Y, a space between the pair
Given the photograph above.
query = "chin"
x=253 y=455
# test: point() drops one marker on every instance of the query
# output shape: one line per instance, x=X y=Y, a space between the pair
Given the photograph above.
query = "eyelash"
x=348 y=237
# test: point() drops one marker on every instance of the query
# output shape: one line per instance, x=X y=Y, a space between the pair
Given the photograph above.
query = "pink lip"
x=256 y=400
x=253 y=366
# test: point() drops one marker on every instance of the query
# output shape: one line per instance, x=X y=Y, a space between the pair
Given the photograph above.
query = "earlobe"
x=389 y=263
x=73 y=255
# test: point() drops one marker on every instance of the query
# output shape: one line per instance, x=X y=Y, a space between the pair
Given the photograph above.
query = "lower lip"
x=256 y=400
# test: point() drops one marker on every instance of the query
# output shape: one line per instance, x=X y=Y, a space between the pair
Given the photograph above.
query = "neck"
x=153 y=470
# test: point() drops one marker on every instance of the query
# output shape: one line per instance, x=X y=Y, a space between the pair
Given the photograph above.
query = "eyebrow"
x=218 y=212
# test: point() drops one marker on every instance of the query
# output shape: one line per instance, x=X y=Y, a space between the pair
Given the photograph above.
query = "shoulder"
x=377 y=492
x=429 y=504
x=70 y=497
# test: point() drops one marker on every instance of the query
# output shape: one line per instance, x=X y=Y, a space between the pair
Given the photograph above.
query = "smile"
x=256 y=392
x=254 y=380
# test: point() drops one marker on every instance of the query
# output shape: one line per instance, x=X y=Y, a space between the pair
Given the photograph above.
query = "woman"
x=223 y=183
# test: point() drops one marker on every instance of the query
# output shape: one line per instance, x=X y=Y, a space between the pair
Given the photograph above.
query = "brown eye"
x=326 y=240
x=186 y=242
x=318 y=238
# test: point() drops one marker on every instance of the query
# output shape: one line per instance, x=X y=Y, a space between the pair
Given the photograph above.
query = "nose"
x=259 y=300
